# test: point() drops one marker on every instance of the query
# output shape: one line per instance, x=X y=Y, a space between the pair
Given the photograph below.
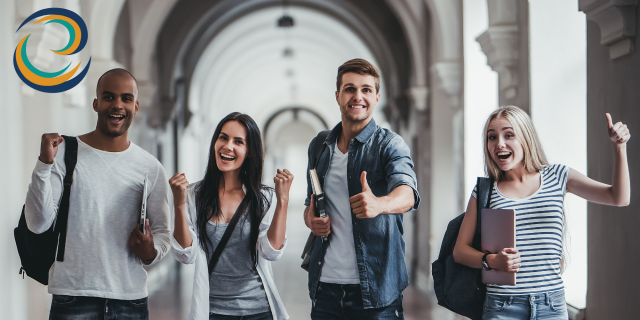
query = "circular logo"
x=53 y=82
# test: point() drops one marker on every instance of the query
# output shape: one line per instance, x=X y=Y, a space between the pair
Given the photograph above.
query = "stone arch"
x=182 y=43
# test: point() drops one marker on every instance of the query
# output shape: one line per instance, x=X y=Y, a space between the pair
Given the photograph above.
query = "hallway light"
x=285 y=21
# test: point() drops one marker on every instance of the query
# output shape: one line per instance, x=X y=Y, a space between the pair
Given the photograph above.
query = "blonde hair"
x=534 y=158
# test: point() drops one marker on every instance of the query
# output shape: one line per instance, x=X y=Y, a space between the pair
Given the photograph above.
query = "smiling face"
x=116 y=103
x=357 y=97
x=502 y=144
x=231 y=146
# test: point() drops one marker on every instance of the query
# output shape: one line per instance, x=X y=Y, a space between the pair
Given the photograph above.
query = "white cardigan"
x=195 y=254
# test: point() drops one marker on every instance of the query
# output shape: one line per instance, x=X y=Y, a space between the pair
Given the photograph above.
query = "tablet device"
x=143 y=211
x=498 y=232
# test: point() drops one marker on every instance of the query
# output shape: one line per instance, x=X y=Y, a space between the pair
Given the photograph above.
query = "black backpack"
x=38 y=251
x=459 y=288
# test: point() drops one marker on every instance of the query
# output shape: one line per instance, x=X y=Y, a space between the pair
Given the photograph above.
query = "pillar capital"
x=617 y=22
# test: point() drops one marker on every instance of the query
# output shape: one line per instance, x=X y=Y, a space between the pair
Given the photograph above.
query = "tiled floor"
x=173 y=300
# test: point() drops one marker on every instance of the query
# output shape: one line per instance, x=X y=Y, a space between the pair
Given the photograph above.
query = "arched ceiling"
x=244 y=69
x=192 y=26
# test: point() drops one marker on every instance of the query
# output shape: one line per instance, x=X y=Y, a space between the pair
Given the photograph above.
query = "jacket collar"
x=362 y=137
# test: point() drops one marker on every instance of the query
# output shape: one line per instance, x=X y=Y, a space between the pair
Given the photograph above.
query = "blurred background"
x=445 y=65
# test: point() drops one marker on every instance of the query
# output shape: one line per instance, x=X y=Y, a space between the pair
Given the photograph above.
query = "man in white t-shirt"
x=102 y=276
x=366 y=173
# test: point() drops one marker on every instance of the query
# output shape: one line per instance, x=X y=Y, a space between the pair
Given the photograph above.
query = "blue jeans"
x=539 y=306
x=260 y=316
x=344 y=301
x=81 y=308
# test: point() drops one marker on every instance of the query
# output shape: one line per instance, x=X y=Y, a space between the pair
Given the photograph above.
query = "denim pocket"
x=495 y=302
x=62 y=299
x=139 y=302
x=558 y=302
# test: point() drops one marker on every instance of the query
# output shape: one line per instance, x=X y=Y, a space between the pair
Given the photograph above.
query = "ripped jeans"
x=538 y=306
x=344 y=301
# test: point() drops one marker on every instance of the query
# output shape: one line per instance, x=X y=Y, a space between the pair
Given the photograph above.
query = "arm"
x=45 y=189
x=265 y=247
x=401 y=184
x=507 y=260
x=619 y=192
x=367 y=205
x=278 y=229
x=153 y=245
x=184 y=241
x=181 y=232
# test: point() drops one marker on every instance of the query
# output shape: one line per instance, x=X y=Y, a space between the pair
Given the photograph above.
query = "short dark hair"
x=118 y=71
x=359 y=66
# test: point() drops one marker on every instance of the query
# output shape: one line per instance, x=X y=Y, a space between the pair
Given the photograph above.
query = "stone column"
x=613 y=237
x=506 y=44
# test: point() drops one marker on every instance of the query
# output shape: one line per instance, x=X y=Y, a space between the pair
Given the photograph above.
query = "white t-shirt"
x=104 y=207
x=340 y=264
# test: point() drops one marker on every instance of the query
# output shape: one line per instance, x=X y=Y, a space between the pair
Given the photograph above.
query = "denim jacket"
x=378 y=242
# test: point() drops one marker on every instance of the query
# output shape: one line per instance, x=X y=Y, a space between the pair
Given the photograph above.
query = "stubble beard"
x=104 y=127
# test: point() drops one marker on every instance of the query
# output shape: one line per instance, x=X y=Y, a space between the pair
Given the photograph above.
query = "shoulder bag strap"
x=70 y=160
x=318 y=146
x=225 y=237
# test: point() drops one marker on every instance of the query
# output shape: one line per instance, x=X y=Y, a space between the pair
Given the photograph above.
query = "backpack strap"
x=485 y=188
x=227 y=234
x=318 y=147
x=70 y=160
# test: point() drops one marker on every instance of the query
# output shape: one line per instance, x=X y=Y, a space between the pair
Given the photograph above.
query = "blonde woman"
x=526 y=182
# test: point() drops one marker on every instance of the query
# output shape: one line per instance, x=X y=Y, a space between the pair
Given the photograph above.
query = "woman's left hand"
x=283 y=181
x=618 y=133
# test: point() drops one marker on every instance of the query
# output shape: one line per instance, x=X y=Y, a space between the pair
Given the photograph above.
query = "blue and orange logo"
x=53 y=82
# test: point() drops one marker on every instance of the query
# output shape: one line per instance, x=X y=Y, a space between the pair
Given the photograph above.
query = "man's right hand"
x=319 y=226
x=49 y=147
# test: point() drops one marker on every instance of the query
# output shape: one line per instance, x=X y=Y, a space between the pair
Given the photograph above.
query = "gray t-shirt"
x=235 y=287
x=340 y=264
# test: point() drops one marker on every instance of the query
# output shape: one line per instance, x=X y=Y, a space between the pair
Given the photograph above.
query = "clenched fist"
x=179 y=186
x=283 y=180
x=49 y=147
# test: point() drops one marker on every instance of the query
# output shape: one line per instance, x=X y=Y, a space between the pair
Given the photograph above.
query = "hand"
x=319 y=226
x=179 y=186
x=618 y=133
x=49 y=147
x=283 y=180
x=365 y=204
x=507 y=260
x=142 y=244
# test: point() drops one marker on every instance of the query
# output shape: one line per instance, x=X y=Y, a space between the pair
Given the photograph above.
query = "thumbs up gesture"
x=618 y=133
x=365 y=204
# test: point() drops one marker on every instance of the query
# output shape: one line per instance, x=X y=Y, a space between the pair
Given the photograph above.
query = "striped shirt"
x=539 y=223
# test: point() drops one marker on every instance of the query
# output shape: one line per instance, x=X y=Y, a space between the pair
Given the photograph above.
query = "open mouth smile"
x=226 y=158
x=504 y=155
x=116 y=118
x=357 y=106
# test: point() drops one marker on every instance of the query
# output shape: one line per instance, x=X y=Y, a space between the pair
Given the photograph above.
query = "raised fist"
x=49 y=147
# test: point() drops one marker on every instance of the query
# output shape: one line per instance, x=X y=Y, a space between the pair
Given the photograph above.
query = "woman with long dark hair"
x=233 y=278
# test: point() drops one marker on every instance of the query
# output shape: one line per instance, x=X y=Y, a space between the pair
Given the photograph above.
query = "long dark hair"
x=206 y=192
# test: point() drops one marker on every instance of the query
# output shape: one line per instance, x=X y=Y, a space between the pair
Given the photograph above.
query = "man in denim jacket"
x=368 y=181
